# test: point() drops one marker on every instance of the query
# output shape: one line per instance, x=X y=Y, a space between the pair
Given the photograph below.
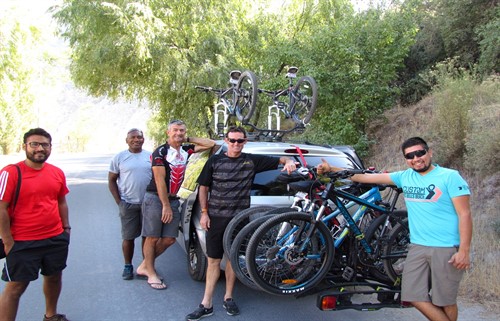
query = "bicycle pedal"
x=348 y=273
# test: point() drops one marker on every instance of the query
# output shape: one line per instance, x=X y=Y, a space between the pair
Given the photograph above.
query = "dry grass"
x=482 y=283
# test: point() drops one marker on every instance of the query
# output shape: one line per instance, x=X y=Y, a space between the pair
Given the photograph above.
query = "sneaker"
x=199 y=313
x=128 y=272
x=56 y=317
x=231 y=307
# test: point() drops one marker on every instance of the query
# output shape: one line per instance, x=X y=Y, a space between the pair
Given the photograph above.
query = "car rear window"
x=267 y=184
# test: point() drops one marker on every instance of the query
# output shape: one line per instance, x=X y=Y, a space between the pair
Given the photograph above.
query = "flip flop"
x=145 y=277
x=158 y=285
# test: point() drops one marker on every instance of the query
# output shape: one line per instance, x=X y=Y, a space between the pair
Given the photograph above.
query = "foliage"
x=466 y=30
x=137 y=50
x=16 y=71
x=466 y=120
x=482 y=143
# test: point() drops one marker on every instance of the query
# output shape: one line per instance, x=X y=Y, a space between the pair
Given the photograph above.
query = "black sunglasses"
x=239 y=140
x=418 y=153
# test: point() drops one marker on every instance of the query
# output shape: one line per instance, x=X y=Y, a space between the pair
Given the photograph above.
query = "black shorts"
x=27 y=258
x=214 y=236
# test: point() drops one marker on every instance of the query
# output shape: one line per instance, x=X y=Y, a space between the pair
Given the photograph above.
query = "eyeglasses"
x=418 y=153
x=239 y=140
x=37 y=144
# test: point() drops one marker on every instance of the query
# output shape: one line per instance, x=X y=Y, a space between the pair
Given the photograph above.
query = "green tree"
x=16 y=71
x=159 y=50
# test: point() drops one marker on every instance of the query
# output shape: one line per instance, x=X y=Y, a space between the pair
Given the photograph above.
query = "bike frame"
x=366 y=201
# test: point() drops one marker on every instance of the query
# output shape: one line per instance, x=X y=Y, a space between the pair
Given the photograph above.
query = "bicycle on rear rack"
x=238 y=100
x=295 y=103
x=291 y=253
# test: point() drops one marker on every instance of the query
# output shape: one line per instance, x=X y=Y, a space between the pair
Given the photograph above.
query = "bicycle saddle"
x=234 y=76
x=292 y=72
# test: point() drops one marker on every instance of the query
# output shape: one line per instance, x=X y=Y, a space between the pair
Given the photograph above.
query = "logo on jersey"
x=430 y=193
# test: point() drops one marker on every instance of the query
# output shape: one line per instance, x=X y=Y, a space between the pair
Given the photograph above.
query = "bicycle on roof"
x=238 y=100
x=297 y=102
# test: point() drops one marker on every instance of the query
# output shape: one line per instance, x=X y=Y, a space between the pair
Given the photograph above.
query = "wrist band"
x=67 y=228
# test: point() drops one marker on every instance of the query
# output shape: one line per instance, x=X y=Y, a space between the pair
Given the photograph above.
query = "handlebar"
x=207 y=89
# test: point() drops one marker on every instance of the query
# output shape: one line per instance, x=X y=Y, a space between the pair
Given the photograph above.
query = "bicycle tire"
x=238 y=250
x=247 y=89
x=305 y=93
x=238 y=222
x=394 y=253
x=289 y=272
x=372 y=235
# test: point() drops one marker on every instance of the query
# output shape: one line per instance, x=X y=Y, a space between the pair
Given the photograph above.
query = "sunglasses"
x=418 y=153
x=239 y=140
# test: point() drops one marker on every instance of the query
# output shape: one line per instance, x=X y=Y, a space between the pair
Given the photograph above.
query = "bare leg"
x=52 y=285
x=128 y=250
x=431 y=311
x=230 y=280
x=451 y=311
x=153 y=247
x=9 y=300
x=213 y=274
x=163 y=244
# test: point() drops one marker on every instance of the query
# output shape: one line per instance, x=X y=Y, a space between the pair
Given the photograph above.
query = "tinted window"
x=269 y=184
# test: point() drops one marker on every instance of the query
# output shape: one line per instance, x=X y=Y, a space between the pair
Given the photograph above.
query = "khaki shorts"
x=428 y=277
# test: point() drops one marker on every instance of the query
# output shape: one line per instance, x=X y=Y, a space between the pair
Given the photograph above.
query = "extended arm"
x=113 y=186
x=461 y=259
x=372 y=178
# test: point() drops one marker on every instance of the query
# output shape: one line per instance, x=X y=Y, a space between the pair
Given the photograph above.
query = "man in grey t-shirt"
x=129 y=175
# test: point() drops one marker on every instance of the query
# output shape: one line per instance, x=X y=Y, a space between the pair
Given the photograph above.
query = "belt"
x=170 y=196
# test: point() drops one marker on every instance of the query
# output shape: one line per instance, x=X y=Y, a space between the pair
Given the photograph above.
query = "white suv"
x=266 y=190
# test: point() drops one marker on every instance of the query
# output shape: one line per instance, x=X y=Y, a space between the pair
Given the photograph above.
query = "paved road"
x=93 y=288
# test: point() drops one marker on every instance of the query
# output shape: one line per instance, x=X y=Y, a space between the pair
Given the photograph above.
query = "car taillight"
x=328 y=302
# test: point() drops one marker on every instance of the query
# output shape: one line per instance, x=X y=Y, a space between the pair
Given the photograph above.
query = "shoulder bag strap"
x=18 y=187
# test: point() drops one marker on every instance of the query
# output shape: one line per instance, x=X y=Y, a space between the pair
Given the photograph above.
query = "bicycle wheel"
x=238 y=222
x=282 y=260
x=305 y=95
x=238 y=249
x=373 y=235
x=246 y=89
x=394 y=253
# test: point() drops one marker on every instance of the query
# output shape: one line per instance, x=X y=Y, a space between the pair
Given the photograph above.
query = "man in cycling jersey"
x=160 y=207
x=440 y=222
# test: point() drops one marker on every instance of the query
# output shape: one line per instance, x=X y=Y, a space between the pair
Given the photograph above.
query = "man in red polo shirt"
x=35 y=229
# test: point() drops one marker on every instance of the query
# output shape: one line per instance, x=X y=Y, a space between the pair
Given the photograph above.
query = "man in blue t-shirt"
x=440 y=223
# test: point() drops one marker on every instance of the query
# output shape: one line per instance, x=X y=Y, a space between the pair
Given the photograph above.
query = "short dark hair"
x=37 y=131
x=414 y=141
x=237 y=129
x=135 y=130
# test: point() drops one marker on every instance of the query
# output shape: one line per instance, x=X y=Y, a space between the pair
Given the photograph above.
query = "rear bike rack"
x=377 y=296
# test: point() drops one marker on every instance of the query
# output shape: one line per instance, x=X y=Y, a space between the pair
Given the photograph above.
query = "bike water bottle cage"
x=235 y=75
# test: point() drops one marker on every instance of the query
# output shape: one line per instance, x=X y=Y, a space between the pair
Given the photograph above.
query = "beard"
x=35 y=157
x=423 y=169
